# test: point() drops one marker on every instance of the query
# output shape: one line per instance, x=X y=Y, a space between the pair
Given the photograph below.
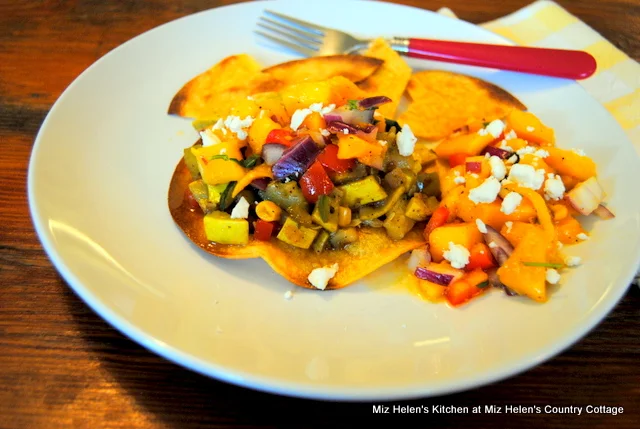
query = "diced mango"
x=464 y=234
x=216 y=171
x=221 y=229
x=314 y=122
x=471 y=144
x=536 y=162
x=529 y=127
x=448 y=182
x=343 y=90
x=423 y=152
x=263 y=170
x=302 y=95
x=272 y=103
x=245 y=107
x=351 y=146
x=570 y=163
x=259 y=131
x=568 y=230
x=361 y=192
x=516 y=144
x=296 y=235
x=490 y=213
x=518 y=230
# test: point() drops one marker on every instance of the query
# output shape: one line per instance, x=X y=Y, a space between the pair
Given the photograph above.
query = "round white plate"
x=98 y=182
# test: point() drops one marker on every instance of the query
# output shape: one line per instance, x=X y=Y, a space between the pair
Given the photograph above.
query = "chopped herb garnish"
x=485 y=124
x=226 y=197
x=483 y=285
x=323 y=208
x=352 y=104
x=390 y=123
x=251 y=161
x=542 y=264
x=225 y=157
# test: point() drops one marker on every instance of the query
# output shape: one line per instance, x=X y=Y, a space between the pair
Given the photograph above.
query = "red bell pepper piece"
x=329 y=159
x=470 y=286
x=480 y=257
x=263 y=230
x=439 y=218
x=280 y=136
x=457 y=159
x=315 y=182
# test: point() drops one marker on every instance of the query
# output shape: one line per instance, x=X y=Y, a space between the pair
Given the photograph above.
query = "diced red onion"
x=496 y=151
x=433 y=277
x=501 y=248
x=603 y=213
x=418 y=258
x=367 y=132
x=332 y=117
x=585 y=197
x=318 y=138
x=260 y=183
x=369 y=102
x=473 y=167
x=494 y=281
x=351 y=117
x=337 y=127
x=272 y=152
x=297 y=159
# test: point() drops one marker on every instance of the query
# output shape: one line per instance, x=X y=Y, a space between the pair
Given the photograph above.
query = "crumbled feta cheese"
x=573 y=261
x=498 y=169
x=481 y=226
x=382 y=142
x=209 y=138
x=512 y=159
x=317 y=107
x=241 y=210
x=550 y=175
x=554 y=188
x=298 y=118
x=525 y=150
x=223 y=151
x=345 y=131
x=541 y=153
x=486 y=192
x=552 y=276
x=482 y=132
x=492 y=244
x=559 y=245
x=288 y=295
x=527 y=176
x=320 y=277
x=250 y=98
x=218 y=125
x=579 y=152
x=474 y=175
x=495 y=128
x=510 y=203
x=406 y=141
x=504 y=146
x=487 y=155
x=457 y=255
x=459 y=180
x=324 y=132
x=530 y=129
x=237 y=125
x=582 y=236
x=509 y=225
x=510 y=135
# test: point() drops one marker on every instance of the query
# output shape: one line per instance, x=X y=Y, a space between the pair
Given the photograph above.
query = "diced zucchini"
x=396 y=223
x=331 y=224
x=321 y=241
x=400 y=177
x=289 y=197
x=369 y=212
x=221 y=229
x=362 y=192
x=215 y=191
x=199 y=191
x=296 y=235
x=191 y=161
x=429 y=184
x=418 y=208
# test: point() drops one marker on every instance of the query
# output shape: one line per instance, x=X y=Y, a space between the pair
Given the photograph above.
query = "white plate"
x=98 y=193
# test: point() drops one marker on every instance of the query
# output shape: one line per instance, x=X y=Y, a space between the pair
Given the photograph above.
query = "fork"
x=311 y=40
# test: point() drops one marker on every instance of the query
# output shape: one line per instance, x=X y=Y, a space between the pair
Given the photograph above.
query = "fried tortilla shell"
x=215 y=91
x=390 y=79
x=444 y=102
x=372 y=250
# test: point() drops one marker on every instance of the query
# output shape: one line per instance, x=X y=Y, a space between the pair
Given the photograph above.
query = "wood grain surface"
x=63 y=366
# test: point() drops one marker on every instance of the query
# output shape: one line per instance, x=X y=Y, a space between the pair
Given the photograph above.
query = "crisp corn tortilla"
x=443 y=102
x=390 y=79
x=372 y=250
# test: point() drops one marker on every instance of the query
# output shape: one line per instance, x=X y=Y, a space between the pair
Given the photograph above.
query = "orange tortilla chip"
x=444 y=102
x=372 y=250
x=390 y=79
x=214 y=92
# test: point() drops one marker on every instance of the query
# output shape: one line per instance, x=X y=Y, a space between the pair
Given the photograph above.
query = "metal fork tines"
x=304 y=37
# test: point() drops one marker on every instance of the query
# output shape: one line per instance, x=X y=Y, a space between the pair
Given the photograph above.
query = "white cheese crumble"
x=459 y=180
x=406 y=141
x=237 y=125
x=527 y=176
x=457 y=255
x=498 y=169
x=495 y=128
x=579 y=152
x=382 y=142
x=512 y=159
x=492 y=244
x=298 y=118
x=288 y=295
x=525 y=150
x=552 y=276
x=209 y=138
x=510 y=135
x=487 y=155
x=481 y=226
x=319 y=277
x=345 y=131
x=504 y=146
x=324 y=132
x=509 y=225
x=530 y=129
x=553 y=188
x=573 y=261
x=482 y=132
x=582 y=236
x=317 y=107
x=241 y=210
x=487 y=192
x=541 y=153
x=510 y=203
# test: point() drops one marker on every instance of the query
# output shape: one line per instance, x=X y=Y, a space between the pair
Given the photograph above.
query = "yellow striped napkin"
x=616 y=83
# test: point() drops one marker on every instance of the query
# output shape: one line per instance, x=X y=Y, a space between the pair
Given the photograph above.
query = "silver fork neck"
x=399 y=44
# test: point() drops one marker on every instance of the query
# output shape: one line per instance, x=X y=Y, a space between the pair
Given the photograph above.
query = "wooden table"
x=63 y=366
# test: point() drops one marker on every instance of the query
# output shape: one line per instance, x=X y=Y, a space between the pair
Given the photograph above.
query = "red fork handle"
x=549 y=62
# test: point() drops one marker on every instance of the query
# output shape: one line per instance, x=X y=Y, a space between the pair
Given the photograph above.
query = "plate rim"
x=269 y=384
